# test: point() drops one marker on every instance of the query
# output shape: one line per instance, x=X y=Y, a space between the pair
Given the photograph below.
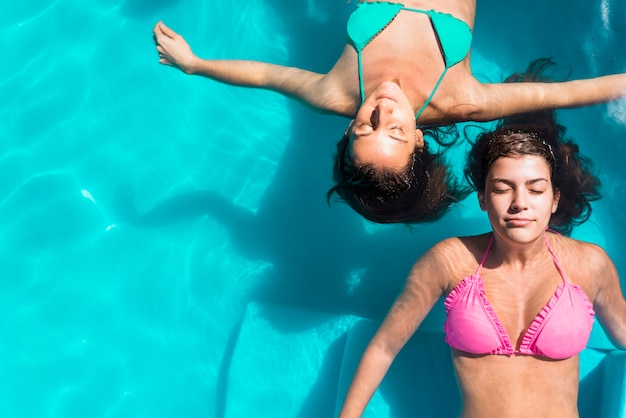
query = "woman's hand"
x=303 y=85
x=173 y=49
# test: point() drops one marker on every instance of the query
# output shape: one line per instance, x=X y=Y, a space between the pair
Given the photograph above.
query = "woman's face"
x=384 y=132
x=519 y=197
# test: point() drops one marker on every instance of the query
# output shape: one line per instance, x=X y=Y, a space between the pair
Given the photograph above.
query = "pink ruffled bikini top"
x=561 y=330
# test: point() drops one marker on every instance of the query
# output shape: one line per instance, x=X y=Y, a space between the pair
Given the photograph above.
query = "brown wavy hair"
x=422 y=191
x=539 y=133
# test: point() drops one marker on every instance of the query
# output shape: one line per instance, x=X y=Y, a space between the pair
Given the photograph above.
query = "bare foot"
x=173 y=49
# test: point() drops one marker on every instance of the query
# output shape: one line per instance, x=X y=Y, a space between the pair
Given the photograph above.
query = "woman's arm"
x=494 y=101
x=308 y=87
x=424 y=286
x=609 y=302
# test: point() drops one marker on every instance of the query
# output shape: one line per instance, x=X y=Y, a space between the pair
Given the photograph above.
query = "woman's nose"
x=375 y=118
x=519 y=201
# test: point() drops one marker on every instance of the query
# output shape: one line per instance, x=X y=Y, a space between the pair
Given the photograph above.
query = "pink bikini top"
x=561 y=330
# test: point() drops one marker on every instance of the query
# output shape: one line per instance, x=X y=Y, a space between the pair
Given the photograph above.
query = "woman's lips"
x=386 y=96
x=518 y=221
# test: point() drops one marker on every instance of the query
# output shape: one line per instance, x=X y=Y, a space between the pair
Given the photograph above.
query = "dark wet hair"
x=540 y=134
x=422 y=191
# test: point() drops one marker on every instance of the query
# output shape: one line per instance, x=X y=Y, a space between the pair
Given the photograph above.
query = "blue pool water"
x=103 y=318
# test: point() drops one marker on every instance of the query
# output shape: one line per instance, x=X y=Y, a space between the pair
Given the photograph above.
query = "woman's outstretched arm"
x=424 y=286
x=305 y=86
x=609 y=302
x=495 y=101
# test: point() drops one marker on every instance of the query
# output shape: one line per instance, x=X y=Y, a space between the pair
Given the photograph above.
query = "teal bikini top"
x=370 y=19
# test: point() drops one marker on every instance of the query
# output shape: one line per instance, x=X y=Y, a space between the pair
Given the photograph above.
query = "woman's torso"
x=517 y=387
x=407 y=50
x=507 y=386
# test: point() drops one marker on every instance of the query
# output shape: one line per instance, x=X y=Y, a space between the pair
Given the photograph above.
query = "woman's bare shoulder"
x=584 y=262
x=457 y=255
x=584 y=251
x=460 y=98
x=338 y=90
x=463 y=244
x=448 y=262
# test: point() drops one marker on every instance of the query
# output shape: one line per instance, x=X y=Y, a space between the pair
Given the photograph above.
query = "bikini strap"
x=556 y=260
x=360 y=69
x=484 y=258
x=432 y=93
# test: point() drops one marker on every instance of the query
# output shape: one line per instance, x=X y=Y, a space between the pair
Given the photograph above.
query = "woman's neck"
x=518 y=255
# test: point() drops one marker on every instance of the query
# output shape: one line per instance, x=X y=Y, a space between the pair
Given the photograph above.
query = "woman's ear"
x=555 y=201
x=481 y=201
x=349 y=128
x=419 y=139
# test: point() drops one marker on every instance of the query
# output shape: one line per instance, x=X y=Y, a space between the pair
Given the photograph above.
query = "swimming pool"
x=242 y=259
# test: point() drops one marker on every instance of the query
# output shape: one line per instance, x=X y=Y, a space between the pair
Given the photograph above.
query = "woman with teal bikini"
x=404 y=68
